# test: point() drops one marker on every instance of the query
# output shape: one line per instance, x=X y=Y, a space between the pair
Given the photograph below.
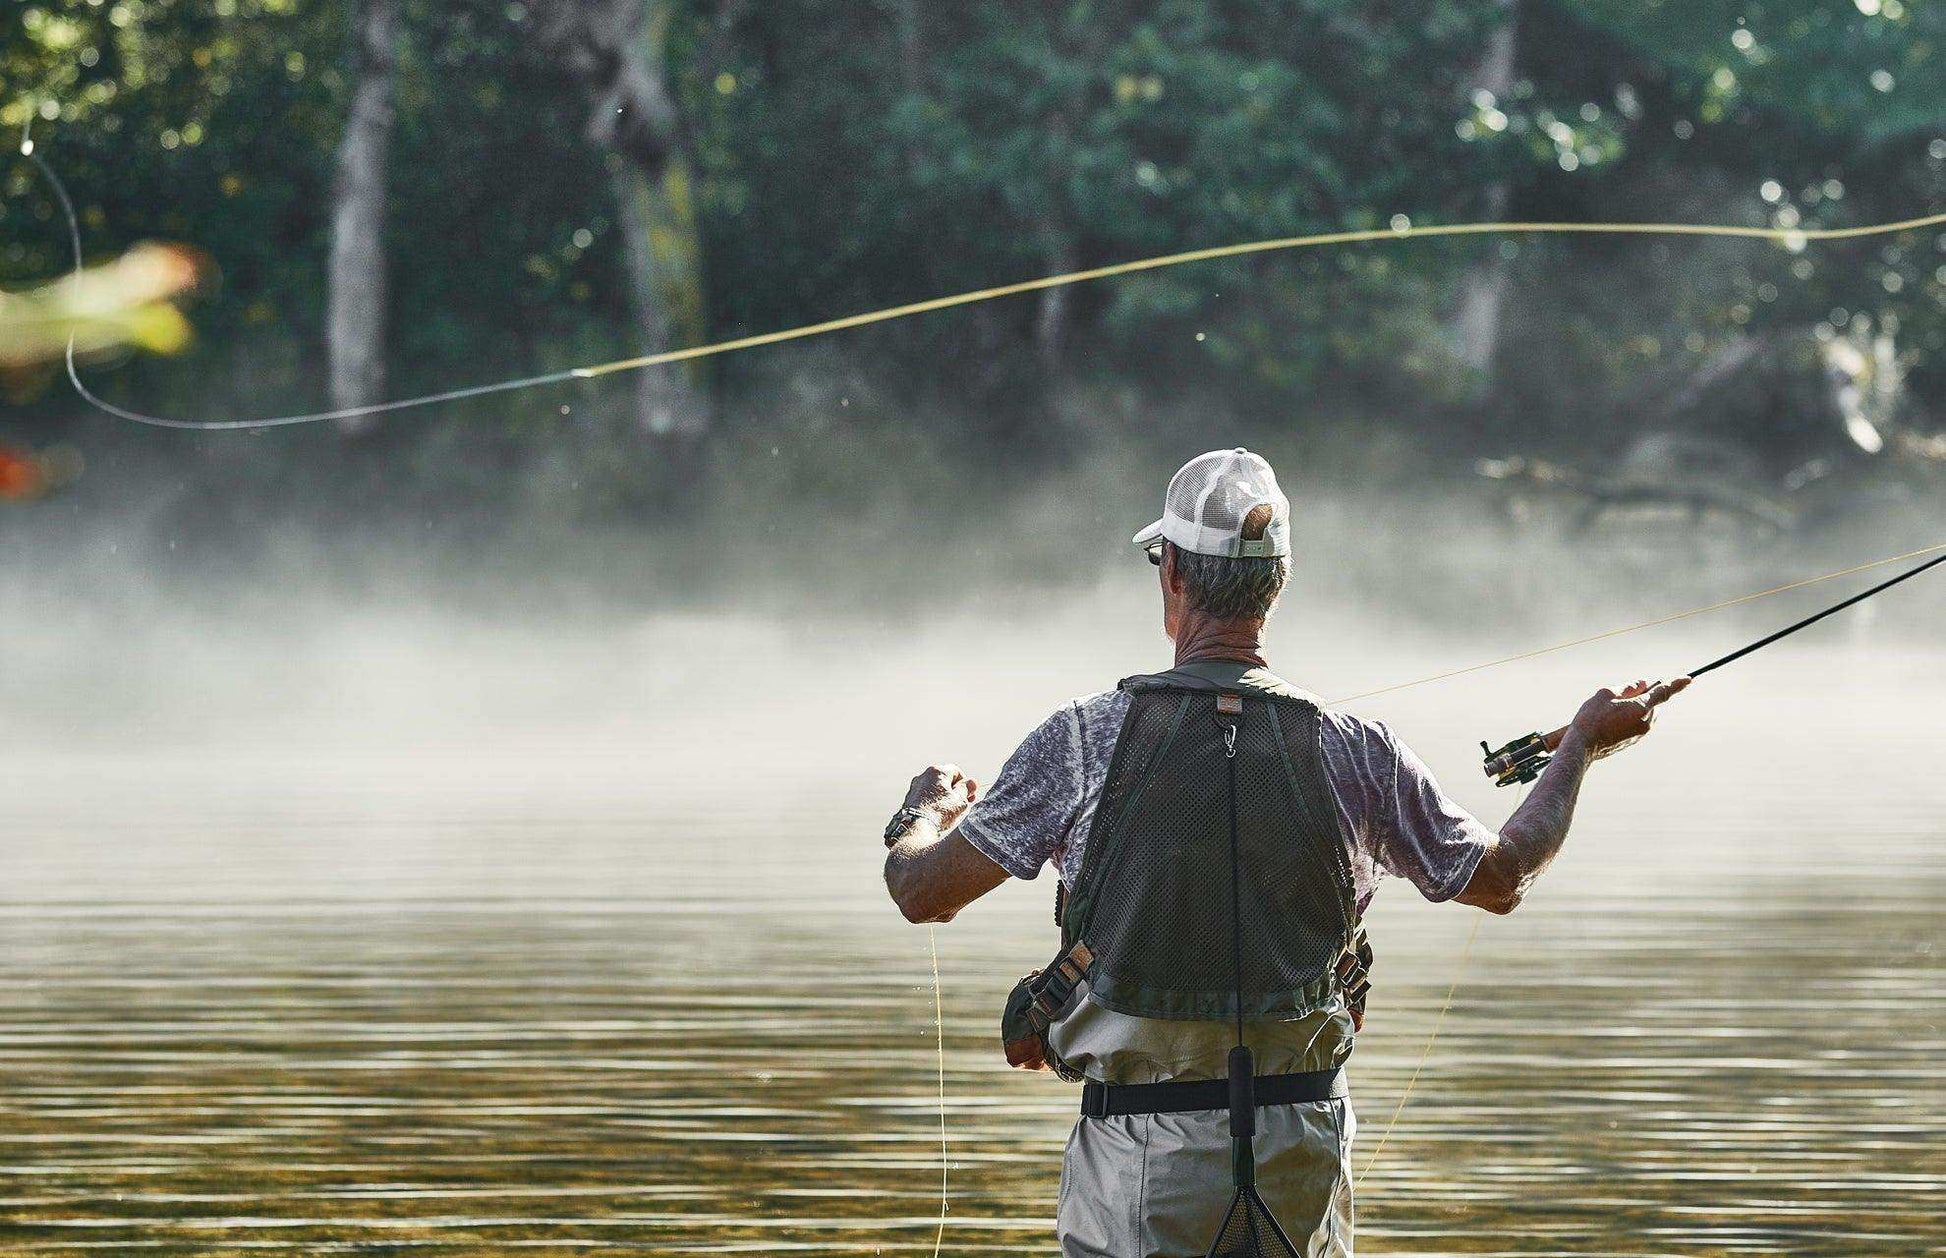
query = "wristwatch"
x=901 y=825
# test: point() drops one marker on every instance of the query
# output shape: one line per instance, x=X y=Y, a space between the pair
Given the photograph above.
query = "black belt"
x=1106 y=1100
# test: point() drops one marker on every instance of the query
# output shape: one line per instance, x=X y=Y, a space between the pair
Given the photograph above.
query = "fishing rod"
x=1523 y=759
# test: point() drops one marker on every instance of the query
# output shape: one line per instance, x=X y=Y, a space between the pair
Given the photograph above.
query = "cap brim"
x=1148 y=536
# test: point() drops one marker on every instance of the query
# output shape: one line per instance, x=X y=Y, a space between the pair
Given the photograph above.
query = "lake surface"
x=585 y=950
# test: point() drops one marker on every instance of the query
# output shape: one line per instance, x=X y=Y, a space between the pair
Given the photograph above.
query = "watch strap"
x=901 y=824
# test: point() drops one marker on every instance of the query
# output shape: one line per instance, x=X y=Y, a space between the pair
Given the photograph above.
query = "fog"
x=275 y=735
x=379 y=899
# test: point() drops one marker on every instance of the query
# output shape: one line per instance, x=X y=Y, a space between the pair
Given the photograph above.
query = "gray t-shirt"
x=1394 y=817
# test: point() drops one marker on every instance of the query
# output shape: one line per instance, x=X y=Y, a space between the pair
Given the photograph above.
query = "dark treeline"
x=399 y=196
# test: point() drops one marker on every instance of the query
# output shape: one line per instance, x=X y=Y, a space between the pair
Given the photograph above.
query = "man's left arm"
x=1533 y=836
x=1416 y=831
x=932 y=872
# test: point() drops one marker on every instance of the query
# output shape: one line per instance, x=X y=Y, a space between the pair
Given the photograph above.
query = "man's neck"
x=1202 y=638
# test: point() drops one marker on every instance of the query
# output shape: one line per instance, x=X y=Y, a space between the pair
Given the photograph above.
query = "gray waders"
x=1215 y=886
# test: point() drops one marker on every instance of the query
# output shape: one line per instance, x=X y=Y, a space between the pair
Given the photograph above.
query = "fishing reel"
x=1520 y=760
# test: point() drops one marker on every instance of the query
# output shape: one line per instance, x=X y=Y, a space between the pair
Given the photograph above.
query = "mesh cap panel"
x=1209 y=499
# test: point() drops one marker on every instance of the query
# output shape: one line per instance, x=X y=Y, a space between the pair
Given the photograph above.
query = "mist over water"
x=457 y=833
x=336 y=921
x=273 y=737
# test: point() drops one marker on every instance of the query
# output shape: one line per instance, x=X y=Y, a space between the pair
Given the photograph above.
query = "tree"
x=356 y=291
x=616 y=50
x=1476 y=324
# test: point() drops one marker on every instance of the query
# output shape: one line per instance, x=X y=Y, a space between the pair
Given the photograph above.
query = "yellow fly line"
x=1794 y=237
x=1466 y=949
x=1791 y=237
x=1425 y=1054
x=1671 y=618
x=939 y=1048
x=1787 y=236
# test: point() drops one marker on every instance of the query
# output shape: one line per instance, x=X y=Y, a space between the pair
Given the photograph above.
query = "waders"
x=1217 y=767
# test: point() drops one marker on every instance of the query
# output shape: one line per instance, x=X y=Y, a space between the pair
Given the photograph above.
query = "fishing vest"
x=1148 y=923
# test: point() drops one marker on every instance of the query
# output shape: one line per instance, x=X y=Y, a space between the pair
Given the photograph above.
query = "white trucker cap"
x=1208 y=500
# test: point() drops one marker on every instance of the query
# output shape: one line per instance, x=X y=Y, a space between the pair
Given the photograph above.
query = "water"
x=484 y=948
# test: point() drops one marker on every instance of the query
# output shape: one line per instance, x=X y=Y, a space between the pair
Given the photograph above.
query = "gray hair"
x=1231 y=589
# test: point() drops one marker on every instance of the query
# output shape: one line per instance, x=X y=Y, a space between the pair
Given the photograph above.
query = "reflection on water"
x=1698 y=1076
x=317 y=1004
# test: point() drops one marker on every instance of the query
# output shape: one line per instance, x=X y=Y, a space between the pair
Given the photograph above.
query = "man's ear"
x=1170 y=580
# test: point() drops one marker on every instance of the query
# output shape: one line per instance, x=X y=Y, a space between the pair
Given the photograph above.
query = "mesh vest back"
x=1152 y=900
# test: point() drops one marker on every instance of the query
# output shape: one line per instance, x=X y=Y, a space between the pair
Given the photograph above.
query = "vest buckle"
x=1355 y=976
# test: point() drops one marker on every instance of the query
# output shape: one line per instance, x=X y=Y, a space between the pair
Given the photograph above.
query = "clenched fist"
x=943 y=794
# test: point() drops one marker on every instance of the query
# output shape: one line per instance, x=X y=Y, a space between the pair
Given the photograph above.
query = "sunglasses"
x=1154 y=551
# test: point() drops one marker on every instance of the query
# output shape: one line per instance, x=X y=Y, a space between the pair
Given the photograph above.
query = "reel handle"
x=1522 y=759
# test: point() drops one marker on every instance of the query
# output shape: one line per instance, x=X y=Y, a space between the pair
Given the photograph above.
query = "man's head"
x=1223 y=542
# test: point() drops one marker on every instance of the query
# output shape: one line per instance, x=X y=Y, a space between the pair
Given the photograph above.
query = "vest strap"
x=1183 y=1096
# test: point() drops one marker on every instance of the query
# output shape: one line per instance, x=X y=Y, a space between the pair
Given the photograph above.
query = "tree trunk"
x=355 y=319
x=1475 y=329
x=912 y=47
x=912 y=68
x=659 y=242
x=615 y=50
x=1052 y=316
x=1054 y=311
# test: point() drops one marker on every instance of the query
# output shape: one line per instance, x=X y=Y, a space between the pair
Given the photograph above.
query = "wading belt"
x=1183 y=1096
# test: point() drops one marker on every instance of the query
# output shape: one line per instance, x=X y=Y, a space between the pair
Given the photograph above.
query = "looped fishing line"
x=939 y=1043
x=1425 y=1054
x=1791 y=236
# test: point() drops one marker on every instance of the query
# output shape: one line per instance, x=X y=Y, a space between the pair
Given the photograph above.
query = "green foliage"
x=852 y=157
x=188 y=121
x=1827 y=115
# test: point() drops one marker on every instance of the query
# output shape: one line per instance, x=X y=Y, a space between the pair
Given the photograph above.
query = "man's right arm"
x=1533 y=836
x=942 y=866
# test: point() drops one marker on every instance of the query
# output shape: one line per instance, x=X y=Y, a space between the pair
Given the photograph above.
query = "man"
x=1176 y=951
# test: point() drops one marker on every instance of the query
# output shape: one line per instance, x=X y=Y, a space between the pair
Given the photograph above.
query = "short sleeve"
x=1022 y=819
x=1411 y=828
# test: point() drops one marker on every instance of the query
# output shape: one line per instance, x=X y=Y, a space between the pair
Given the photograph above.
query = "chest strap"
x=1183 y=1096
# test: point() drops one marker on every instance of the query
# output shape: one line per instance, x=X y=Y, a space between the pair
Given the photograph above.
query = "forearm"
x=1533 y=836
x=933 y=875
x=905 y=863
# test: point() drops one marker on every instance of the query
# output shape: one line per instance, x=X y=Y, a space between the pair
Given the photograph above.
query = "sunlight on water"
x=601 y=962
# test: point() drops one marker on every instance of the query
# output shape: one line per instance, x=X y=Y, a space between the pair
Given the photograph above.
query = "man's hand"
x=1608 y=721
x=1533 y=836
x=933 y=873
x=943 y=794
